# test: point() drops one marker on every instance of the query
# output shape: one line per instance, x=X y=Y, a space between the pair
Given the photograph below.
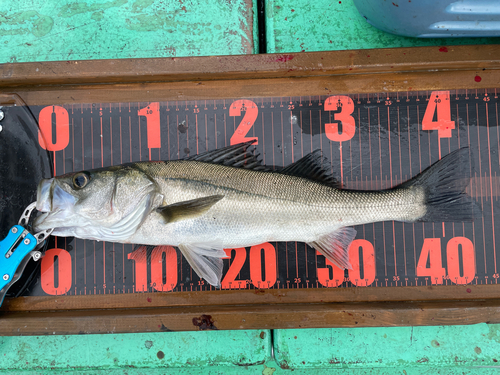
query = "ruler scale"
x=373 y=141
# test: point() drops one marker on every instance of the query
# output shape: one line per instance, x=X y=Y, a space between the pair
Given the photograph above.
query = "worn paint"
x=306 y=26
x=172 y=349
x=105 y=29
x=446 y=346
x=25 y=23
x=73 y=9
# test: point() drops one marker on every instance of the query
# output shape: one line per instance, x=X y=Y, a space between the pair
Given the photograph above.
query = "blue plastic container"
x=433 y=18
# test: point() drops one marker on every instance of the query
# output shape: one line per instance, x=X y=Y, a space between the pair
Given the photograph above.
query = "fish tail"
x=444 y=184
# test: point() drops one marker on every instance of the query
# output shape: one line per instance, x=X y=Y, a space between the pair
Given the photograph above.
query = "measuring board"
x=373 y=141
x=379 y=125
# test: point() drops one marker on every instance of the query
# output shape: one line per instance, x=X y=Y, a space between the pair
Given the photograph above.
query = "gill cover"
x=108 y=206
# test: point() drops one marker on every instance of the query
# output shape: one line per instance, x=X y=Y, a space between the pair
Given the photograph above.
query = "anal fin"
x=335 y=246
x=206 y=260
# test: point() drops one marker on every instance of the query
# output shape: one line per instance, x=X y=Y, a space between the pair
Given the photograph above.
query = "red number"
x=468 y=260
x=256 y=265
x=346 y=107
x=152 y=114
x=431 y=250
x=368 y=263
x=63 y=272
x=141 y=268
x=229 y=281
x=251 y=111
x=62 y=128
x=354 y=273
x=324 y=274
x=157 y=268
x=440 y=101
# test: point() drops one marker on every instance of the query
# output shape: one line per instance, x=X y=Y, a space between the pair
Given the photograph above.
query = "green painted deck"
x=41 y=30
x=48 y=30
x=407 y=350
x=306 y=26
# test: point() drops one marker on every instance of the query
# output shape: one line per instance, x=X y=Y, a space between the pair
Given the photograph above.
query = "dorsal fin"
x=312 y=166
x=234 y=156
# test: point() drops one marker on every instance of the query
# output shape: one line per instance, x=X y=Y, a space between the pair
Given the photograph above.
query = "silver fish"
x=227 y=199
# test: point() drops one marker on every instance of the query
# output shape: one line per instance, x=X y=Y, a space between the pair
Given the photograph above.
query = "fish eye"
x=80 y=180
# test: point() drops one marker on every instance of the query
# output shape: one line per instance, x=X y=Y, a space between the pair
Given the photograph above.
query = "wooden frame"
x=362 y=71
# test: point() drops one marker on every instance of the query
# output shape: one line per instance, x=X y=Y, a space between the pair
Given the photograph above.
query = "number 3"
x=344 y=107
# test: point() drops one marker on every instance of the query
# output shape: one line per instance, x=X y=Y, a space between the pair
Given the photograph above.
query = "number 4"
x=439 y=101
x=431 y=250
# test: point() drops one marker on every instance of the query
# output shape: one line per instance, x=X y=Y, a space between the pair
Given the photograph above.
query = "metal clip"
x=17 y=248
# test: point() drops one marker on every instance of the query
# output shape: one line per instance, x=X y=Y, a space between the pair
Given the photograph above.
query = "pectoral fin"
x=188 y=209
x=206 y=260
x=335 y=246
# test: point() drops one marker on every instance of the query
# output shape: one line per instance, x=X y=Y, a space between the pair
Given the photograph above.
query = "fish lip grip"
x=17 y=248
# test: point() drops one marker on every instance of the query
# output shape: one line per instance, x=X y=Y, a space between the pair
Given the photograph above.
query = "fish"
x=226 y=198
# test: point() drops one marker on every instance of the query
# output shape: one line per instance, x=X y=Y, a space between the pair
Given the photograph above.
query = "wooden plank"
x=348 y=63
x=245 y=317
x=200 y=90
x=242 y=77
x=256 y=297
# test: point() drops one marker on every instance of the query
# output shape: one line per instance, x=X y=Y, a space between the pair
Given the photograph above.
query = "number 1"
x=152 y=114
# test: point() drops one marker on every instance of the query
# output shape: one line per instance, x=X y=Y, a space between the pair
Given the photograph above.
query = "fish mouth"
x=43 y=200
x=54 y=203
x=50 y=196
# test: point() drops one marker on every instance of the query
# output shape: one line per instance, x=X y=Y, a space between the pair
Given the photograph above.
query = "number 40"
x=431 y=251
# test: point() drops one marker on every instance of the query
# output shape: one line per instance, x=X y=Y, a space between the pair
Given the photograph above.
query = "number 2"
x=251 y=111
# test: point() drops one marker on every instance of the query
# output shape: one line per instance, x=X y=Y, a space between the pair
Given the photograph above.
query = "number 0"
x=45 y=134
x=48 y=275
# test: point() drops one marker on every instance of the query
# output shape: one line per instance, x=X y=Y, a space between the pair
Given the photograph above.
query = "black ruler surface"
x=374 y=141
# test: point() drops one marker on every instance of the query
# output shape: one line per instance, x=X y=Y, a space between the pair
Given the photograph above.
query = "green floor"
x=47 y=30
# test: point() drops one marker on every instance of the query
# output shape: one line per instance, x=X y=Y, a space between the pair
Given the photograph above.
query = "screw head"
x=27 y=241
x=37 y=255
x=2 y=115
x=6 y=277
x=14 y=230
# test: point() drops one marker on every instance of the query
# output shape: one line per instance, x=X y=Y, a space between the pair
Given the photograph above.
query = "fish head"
x=105 y=204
